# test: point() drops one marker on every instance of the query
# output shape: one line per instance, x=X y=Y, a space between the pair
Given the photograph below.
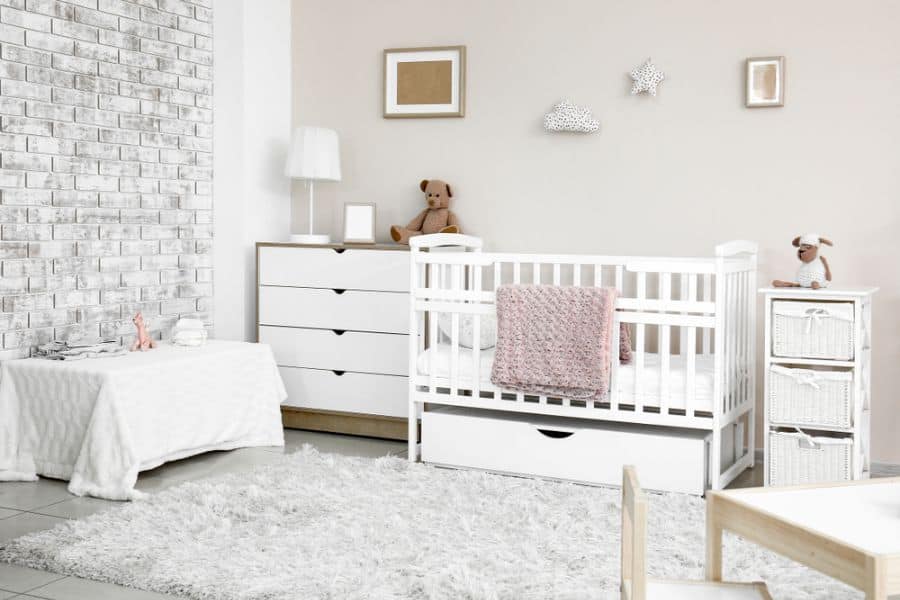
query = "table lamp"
x=314 y=156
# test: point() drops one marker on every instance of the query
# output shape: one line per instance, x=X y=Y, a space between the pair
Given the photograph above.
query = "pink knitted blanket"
x=554 y=340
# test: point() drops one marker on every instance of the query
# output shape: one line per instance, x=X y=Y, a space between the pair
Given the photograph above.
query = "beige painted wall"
x=669 y=175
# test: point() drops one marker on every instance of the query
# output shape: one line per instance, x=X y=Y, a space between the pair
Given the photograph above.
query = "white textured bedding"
x=98 y=422
x=438 y=357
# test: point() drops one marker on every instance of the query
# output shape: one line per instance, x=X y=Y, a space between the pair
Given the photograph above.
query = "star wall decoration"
x=646 y=78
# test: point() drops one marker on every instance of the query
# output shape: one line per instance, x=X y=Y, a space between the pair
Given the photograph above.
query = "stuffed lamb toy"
x=814 y=271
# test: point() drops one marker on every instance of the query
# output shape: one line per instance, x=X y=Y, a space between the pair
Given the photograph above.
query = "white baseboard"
x=878 y=469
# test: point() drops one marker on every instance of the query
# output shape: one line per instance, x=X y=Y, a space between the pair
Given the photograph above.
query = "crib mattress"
x=436 y=361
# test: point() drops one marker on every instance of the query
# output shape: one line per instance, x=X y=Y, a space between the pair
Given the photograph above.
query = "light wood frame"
x=371 y=238
x=634 y=546
x=779 y=101
x=878 y=575
x=461 y=112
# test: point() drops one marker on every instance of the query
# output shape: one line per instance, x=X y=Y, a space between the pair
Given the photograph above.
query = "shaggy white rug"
x=325 y=526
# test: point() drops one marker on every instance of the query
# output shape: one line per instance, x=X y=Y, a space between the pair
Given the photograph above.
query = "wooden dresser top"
x=336 y=246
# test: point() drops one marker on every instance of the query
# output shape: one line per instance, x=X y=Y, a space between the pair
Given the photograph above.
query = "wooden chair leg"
x=713 y=540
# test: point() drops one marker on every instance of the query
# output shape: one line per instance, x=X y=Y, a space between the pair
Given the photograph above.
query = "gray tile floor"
x=27 y=507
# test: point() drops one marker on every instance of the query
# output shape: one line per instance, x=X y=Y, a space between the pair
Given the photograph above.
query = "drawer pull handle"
x=339 y=250
x=556 y=435
x=338 y=291
x=338 y=373
x=339 y=331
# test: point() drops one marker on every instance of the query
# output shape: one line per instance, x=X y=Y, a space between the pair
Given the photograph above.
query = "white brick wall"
x=105 y=167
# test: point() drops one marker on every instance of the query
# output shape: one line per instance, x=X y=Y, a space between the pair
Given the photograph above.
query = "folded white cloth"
x=190 y=325
x=189 y=332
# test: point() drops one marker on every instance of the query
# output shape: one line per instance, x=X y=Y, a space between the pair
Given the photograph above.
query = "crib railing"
x=688 y=319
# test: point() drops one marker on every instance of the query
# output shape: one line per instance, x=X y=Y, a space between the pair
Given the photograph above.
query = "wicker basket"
x=798 y=458
x=812 y=398
x=812 y=330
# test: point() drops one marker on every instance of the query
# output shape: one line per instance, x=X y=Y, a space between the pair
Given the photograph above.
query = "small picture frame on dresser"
x=359 y=223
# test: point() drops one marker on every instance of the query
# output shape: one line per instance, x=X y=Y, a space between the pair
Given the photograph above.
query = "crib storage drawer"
x=813 y=330
x=572 y=449
x=797 y=458
x=356 y=269
x=343 y=351
x=813 y=398
x=384 y=312
x=362 y=393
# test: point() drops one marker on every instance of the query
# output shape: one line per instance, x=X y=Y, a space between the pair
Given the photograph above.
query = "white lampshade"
x=314 y=154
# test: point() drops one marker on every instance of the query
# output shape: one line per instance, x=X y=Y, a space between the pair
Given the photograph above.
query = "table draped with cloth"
x=97 y=422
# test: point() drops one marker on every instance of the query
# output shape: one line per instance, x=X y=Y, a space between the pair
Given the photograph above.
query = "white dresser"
x=818 y=381
x=337 y=318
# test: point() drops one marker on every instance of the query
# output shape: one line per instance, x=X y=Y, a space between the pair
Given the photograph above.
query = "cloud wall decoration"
x=567 y=116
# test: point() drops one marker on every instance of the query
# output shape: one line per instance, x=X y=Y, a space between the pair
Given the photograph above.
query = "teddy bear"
x=437 y=218
x=814 y=271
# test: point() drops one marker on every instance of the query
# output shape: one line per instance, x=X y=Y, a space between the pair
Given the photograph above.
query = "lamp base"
x=310 y=238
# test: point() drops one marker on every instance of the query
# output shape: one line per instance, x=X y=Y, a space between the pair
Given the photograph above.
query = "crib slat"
x=455 y=284
x=598 y=275
x=729 y=340
x=665 y=294
x=620 y=276
x=707 y=297
x=517 y=273
x=747 y=297
x=536 y=273
x=495 y=394
x=639 y=368
x=556 y=274
x=639 y=346
x=690 y=393
x=476 y=336
x=433 y=350
x=641 y=289
x=616 y=363
x=682 y=295
x=744 y=320
x=576 y=275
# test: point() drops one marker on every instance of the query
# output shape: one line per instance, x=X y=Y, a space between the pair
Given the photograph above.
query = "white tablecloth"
x=98 y=422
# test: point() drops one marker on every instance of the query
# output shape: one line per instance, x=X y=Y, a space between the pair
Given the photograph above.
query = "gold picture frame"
x=424 y=82
x=764 y=82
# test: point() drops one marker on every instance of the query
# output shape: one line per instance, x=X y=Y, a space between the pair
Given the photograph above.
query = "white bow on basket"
x=807 y=441
x=815 y=315
x=809 y=378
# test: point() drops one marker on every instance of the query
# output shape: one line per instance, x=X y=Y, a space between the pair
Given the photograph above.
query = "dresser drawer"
x=386 y=312
x=572 y=449
x=384 y=353
x=363 y=393
x=350 y=269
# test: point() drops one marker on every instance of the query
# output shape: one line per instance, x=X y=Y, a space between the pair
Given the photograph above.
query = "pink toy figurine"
x=143 y=341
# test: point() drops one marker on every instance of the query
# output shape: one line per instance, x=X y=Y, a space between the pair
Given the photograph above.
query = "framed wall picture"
x=765 y=81
x=359 y=223
x=425 y=82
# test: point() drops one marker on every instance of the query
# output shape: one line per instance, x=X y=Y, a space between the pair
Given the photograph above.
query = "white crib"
x=692 y=324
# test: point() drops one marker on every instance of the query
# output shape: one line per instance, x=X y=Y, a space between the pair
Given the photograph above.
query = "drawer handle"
x=339 y=250
x=556 y=435
x=338 y=291
x=338 y=373
x=339 y=331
